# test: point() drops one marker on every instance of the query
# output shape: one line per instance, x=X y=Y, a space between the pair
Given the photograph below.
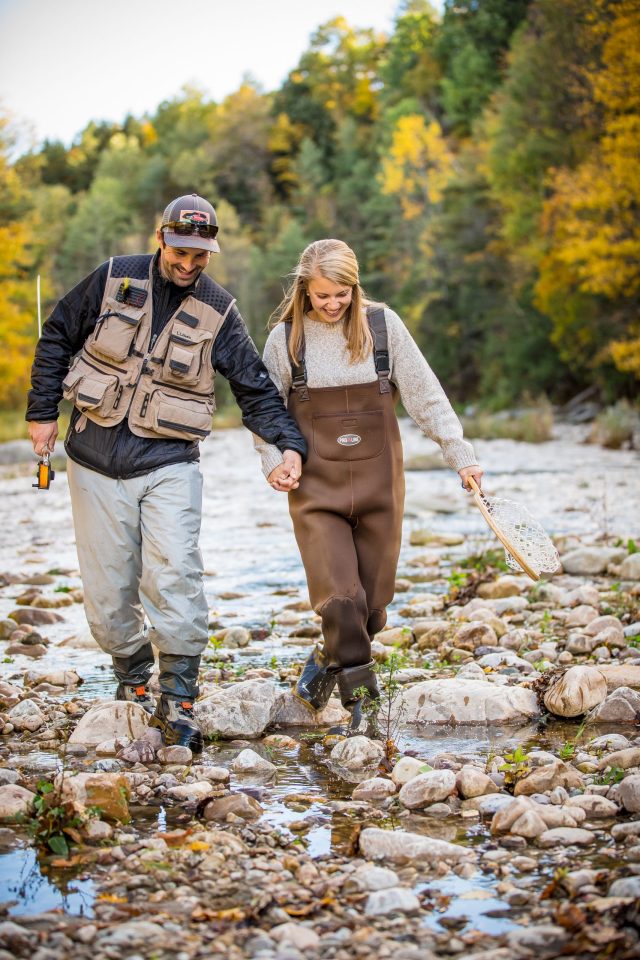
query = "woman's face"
x=329 y=300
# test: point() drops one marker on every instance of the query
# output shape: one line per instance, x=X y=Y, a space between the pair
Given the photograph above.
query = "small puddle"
x=28 y=887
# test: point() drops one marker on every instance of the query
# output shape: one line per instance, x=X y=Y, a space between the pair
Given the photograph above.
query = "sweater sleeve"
x=423 y=397
x=277 y=363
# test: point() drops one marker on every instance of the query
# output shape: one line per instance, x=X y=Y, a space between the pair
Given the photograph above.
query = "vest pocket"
x=89 y=389
x=186 y=419
x=348 y=437
x=116 y=329
x=185 y=354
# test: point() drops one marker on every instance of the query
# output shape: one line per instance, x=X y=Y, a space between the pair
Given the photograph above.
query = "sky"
x=65 y=62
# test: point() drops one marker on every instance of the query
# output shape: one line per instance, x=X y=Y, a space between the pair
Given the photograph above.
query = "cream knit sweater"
x=327 y=362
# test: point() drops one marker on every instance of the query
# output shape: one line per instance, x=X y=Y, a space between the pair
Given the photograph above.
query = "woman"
x=339 y=362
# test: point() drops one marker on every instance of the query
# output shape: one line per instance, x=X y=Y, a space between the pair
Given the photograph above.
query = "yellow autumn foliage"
x=18 y=323
x=418 y=165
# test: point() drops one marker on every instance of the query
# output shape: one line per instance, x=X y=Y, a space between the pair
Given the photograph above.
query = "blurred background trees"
x=483 y=164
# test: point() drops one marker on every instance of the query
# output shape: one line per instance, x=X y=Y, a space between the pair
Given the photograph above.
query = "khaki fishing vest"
x=164 y=387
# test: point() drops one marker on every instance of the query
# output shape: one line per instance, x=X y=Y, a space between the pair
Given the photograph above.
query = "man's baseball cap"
x=190 y=221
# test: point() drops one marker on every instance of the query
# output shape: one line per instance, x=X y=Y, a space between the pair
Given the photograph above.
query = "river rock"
x=629 y=757
x=377 y=788
x=605 y=623
x=595 y=807
x=558 y=774
x=576 y=692
x=466 y=701
x=621 y=706
x=9 y=693
x=35 y=617
x=57 y=678
x=621 y=675
x=132 y=933
x=293 y=713
x=190 y=792
x=108 y=791
x=175 y=754
x=406 y=769
x=295 y=935
x=239 y=804
x=357 y=753
x=581 y=616
x=15 y=802
x=392 y=900
x=629 y=792
x=625 y=887
x=427 y=788
x=566 y=836
x=26 y=715
x=476 y=634
x=106 y=721
x=400 y=846
x=138 y=751
x=630 y=567
x=528 y=825
x=395 y=637
x=580 y=644
x=248 y=761
x=542 y=942
x=430 y=634
x=473 y=782
x=507 y=586
x=369 y=877
x=241 y=710
x=609 y=741
x=589 y=561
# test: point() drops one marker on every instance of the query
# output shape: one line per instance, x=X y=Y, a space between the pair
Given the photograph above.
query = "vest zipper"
x=171 y=386
x=105 y=362
x=116 y=402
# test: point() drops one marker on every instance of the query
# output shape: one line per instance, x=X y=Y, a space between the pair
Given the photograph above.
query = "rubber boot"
x=174 y=711
x=133 y=674
x=317 y=680
x=359 y=693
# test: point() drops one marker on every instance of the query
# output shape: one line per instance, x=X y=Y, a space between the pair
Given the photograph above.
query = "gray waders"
x=347 y=518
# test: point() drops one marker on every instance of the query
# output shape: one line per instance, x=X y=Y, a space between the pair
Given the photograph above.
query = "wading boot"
x=133 y=674
x=174 y=712
x=317 y=680
x=359 y=693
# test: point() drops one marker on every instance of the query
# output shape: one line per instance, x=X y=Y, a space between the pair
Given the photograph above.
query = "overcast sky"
x=65 y=62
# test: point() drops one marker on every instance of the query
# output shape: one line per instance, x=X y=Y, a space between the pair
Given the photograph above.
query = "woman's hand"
x=286 y=476
x=474 y=471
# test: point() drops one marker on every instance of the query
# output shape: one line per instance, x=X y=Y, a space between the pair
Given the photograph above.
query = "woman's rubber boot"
x=317 y=680
x=359 y=693
x=174 y=712
x=132 y=674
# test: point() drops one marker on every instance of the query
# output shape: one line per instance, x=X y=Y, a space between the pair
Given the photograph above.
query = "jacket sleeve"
x=235 y=356
x=64 y=332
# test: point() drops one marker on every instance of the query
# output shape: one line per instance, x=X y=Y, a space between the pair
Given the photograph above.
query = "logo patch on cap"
x=349 y=440
x=194 y=216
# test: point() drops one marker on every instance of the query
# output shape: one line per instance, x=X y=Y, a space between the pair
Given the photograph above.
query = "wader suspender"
x=378 y=326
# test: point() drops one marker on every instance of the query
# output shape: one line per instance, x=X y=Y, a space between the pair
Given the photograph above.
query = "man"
x=147 y=334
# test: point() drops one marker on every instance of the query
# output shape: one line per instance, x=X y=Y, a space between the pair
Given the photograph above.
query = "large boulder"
x=466 y=701
x=576 y=692
x=107 y=721
x=240 y=710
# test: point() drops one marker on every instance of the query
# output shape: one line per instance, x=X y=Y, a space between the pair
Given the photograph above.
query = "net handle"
x=504 y=540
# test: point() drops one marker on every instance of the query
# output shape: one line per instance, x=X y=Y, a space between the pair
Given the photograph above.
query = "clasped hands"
x=286 y=476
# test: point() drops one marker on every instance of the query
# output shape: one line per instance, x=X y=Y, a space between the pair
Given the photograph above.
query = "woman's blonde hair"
x=335 y=261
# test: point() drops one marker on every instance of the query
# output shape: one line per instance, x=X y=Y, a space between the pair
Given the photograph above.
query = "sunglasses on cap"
x=184 y=228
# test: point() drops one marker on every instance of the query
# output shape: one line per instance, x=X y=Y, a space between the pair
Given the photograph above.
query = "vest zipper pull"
x=145 y=404
x=118 y=396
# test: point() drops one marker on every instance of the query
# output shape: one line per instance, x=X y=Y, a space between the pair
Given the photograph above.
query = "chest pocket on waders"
x=356 y=436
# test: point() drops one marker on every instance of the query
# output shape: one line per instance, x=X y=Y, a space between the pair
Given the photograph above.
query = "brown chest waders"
x=347 y=518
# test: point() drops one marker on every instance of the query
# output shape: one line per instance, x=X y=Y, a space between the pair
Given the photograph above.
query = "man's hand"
x=43 y=435
x=286 y=476
x=474 y=471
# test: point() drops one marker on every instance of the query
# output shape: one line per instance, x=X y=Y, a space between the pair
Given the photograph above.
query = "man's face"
x=181 y=265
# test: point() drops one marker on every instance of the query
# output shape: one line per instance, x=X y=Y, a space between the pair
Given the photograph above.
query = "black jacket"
x=115 y=451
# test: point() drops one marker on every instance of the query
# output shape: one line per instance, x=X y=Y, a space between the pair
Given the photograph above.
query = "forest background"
x=482 y=162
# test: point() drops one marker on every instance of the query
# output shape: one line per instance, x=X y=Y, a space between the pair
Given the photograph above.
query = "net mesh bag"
x=517 y=525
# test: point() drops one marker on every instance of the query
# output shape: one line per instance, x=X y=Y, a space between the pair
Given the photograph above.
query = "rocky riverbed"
x=497 y=817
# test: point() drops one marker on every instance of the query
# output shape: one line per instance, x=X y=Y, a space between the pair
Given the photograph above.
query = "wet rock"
x=190 y=792
x=295 y=935
x=17 y=938
x=25 y=649
x=96 y=831
x=27 y=715
x=542 y=942
x=566 y=837
x=630 y=567
x=138 y=751
x=57 y=678
x=248 y=761
x=630 y=757
x=377 y=788
x=528 y=825
x=595 y=807
x=400 y=846
x=467 y=701
x=234 y=637
x=357 y=753
x=242 y=710
x=9 y=692
x=610 y=741
x=214 y=774
x=392 y=900
x=292 y=712
x=368 y=877
x=175 y=754
x=406 y=769
x=7 y=627
x=239 y=804
x=629 y=791
x=132 y=933
x=109 y=748
x=589 y=561
x=472 y=782
x=577 y=691
x=110 y=720
x=108 y=791
x=558 y=774
x=621 y=706
x=34 y=617
x=427 y=788
x=15 y=802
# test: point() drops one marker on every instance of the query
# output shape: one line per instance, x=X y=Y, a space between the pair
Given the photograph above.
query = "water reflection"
x=29 y=890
